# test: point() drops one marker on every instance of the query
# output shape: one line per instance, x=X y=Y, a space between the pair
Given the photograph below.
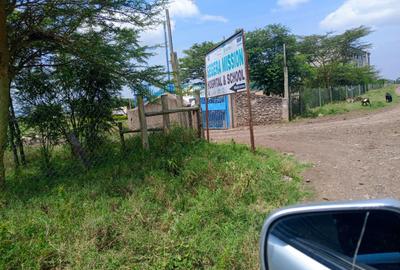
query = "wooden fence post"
x=190 y=118
x=121 y=136
x=199 y=116
x=143 y=123
x=164 y=105
x=181 y=116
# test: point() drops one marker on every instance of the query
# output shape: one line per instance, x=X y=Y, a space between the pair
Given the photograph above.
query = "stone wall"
x=266 y=110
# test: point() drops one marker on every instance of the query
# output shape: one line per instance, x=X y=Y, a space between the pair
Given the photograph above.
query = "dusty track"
x=354 y=156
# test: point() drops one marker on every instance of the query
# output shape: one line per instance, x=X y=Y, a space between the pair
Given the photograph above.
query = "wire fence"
x=305 y=99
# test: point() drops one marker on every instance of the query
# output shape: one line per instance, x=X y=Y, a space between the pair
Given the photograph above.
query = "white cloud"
x=179 y=9
x=189 y=9
x=155 y=35
x=214 y=18
x=354 y=13
x=291 y=3
x=183 y=8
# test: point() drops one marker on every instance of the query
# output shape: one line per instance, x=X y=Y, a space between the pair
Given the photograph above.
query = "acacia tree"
x=33 y=32
x=192 y=65
x=45 y=119
x=349 y=74
x=330 y=54
x=4 y=87
x=265 y=49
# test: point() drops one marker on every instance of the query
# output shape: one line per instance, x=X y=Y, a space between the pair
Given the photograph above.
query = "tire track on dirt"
x=354 y=156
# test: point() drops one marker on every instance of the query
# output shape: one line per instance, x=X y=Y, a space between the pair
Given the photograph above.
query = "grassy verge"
x=185 y=204
x=377 y=98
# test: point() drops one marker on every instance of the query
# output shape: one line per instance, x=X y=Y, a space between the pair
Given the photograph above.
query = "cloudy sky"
x=201 y=20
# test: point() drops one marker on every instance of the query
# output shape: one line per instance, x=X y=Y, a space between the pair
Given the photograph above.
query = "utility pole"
x=175 y=69
x=166 y=51
x=286 y=96
x=174 y=60
x=251 y=129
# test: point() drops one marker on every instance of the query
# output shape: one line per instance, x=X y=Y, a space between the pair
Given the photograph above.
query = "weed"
x=184 y=204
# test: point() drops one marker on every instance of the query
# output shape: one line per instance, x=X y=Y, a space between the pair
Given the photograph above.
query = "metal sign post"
x=253 y=146
x=206 y=101
x=227 y=72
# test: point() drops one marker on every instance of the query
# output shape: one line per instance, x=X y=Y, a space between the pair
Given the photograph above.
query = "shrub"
x=184 y=204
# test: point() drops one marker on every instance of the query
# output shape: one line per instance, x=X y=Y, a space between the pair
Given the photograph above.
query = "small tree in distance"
x=332 y=57
x=192 y=65
x=265 y=49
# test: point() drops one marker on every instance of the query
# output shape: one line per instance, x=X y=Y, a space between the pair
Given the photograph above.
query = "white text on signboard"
x=226 y=68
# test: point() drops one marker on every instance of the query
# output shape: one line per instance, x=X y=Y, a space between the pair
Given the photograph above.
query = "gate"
x=218 y=112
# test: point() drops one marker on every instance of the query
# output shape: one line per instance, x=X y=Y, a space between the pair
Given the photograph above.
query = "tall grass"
x=184 y=204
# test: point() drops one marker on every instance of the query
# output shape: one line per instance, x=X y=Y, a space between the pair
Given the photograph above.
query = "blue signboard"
x=218 y=112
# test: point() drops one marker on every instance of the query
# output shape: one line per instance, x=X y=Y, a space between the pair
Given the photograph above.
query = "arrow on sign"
x=236 y=87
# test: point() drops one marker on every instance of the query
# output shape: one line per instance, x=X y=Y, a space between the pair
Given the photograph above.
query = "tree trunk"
x=4 y=88
x=18 y=138
x=77 y=149
x=12 y=144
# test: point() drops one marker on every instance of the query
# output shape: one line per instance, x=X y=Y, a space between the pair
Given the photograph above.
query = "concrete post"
x=286 y=96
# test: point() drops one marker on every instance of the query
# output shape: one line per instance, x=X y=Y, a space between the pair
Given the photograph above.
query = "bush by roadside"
x=185 y=204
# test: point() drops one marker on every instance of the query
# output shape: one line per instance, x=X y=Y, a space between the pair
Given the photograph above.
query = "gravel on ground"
x=352 y=156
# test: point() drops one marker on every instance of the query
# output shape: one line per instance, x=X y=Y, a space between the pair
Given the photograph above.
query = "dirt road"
x=354 y=156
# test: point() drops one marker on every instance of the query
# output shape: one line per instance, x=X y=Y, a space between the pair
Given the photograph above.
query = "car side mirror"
x=353 y=235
